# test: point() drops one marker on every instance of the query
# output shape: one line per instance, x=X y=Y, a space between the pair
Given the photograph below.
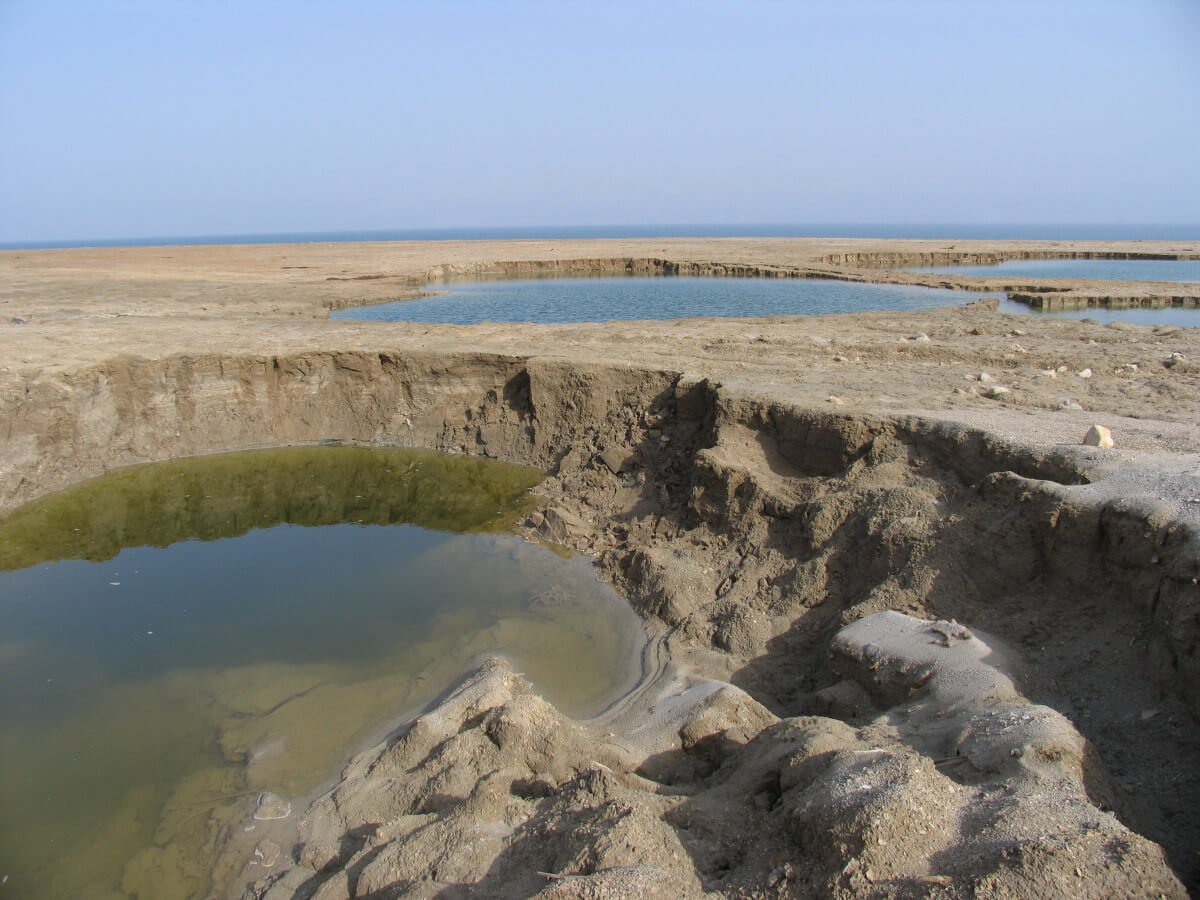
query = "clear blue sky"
x=154 y=117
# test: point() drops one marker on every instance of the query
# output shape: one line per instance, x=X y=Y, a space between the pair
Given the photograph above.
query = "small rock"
x=1047 y=373
x=1148 y=714
x=840 y=358
x=1069 y=404
x=17 y=320
x=1128 y=367
x=1061 y=369
x=271 y=806
x=993 y=392
x=561 y=525
x=985 y=378
x=1098 y=436
x=1085 y=373
x=1016 y=332
x=919 y=338
x=266 y=853
x=977 y=331
x=836 y=401
x=618 y=459
x=1017 y=348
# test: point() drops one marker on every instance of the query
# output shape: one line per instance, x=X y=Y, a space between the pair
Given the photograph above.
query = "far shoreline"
x=999 y=231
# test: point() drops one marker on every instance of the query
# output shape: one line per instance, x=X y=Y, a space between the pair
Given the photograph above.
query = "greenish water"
x=560 y=300
x=176 y=638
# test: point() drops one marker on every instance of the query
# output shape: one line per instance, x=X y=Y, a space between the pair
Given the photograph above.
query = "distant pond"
x=1177 y=270
x=568 y=300
x=562 y=300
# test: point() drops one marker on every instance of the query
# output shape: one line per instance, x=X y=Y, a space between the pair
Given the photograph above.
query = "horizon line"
x=534 y=232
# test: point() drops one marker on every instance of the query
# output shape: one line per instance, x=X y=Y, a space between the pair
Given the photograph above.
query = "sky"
x=129 y=118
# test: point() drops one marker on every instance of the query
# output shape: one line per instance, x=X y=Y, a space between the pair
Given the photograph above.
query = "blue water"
x=937 y=231
x=1180 y=317
x=560 y=300
x=1113 y=269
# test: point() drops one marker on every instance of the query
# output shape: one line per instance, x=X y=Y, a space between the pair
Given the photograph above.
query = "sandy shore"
x=778 y=480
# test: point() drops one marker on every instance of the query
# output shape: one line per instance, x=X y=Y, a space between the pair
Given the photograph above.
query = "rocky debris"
x=1084 y=373
x=995 y=391
x=951 y=779
x=1068 y=403
x=618 y=459
x=919 y=338
x=1098 y=436
x=561 y=525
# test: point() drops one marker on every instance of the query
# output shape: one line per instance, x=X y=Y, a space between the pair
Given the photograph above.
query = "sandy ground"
x=820 y=472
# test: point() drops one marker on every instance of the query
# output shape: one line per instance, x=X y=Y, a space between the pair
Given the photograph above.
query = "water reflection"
x=174 y=642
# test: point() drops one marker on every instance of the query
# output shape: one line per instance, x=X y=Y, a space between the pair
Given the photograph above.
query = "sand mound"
x=953 y=785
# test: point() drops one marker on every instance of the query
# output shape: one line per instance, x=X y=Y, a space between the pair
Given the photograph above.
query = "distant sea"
x=929 y=232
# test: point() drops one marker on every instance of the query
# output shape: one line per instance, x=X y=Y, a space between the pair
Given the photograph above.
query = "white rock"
x=994 y=391
x=1062 y=369
x=1069 y=404
x=1086 y=373
x=1098 y=436
x=271 y=806
x=920 y=338
x=1047 y=373
x=985 y=377
x=840 y=358
x=1128 y=367
x=836 y=401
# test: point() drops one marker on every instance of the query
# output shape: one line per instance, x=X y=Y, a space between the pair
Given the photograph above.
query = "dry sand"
x=773 y=494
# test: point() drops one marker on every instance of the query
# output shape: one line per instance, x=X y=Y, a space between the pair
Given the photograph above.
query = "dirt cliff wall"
x=747 y=530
